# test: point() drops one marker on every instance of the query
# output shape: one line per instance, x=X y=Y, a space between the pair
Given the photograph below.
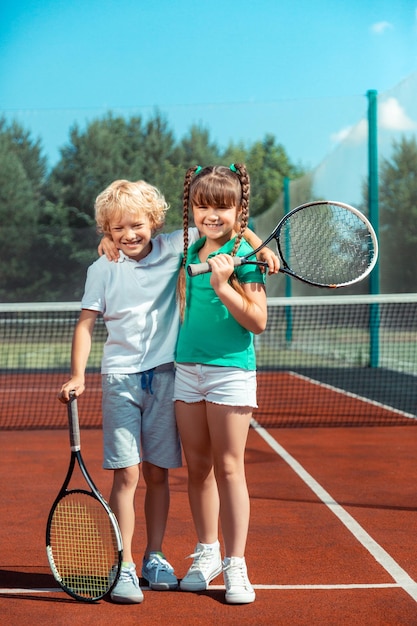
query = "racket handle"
x=73 y=423
x=194 y=269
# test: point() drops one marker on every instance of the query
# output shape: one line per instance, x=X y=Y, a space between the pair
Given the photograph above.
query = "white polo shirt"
x=138 y=302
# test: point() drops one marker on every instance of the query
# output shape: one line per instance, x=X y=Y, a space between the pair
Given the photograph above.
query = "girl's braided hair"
x=215 y=186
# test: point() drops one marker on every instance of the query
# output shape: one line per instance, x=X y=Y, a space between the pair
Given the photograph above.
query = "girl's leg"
x=228 y=427
x=202 y=488
x=156 y=505
x=202 y=494
x=122 y=503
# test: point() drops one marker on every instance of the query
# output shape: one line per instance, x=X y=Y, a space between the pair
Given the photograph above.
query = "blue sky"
x=298 y=69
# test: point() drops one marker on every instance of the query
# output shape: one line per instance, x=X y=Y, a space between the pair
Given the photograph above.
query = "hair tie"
x=233 y=168
x=198 y=170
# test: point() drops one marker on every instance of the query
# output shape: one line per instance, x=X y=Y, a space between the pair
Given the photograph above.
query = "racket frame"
x=202 y=268
x=76 y=457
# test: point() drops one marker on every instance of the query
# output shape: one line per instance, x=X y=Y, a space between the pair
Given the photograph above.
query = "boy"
x=137 y=298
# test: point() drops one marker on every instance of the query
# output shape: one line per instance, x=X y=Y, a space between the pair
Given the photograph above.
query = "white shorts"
x=221 y=385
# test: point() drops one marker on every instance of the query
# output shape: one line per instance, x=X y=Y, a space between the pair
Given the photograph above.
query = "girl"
x=142 y=336
x=215 y=386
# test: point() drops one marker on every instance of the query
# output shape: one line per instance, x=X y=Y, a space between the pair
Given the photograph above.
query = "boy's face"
x=132 y=235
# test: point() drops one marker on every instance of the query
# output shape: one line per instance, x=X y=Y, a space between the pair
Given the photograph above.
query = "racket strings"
x=83 y=545
x=327 y=244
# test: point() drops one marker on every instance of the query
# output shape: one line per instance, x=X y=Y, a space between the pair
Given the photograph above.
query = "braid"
x=185 y=207
x=185 y=222
x=244 y=215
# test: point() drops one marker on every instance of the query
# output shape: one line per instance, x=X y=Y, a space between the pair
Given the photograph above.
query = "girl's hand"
x=107 y=247
x=249 y=310
x=222 y=268
x=268 y=256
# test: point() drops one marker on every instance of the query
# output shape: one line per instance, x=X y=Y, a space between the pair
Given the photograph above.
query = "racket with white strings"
x=322 y=243
x=83 y=540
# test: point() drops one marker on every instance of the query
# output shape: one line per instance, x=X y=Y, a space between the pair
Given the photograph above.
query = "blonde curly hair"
x=136 y=198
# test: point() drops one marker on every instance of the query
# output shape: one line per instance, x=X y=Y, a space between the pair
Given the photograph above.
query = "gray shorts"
x=221 y=385
x=139 y=420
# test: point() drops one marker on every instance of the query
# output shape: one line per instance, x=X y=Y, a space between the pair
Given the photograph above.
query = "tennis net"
x=323 y=361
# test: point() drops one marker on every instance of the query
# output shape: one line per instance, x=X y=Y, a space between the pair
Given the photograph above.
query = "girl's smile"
x=218 y=223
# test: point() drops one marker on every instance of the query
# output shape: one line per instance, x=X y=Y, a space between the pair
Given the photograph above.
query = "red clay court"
x=330 y=465
x=332 y=536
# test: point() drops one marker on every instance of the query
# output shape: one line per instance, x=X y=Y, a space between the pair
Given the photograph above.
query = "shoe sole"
x=240 y=599
x=162 y=586
x=200 y=586
x=123 y=600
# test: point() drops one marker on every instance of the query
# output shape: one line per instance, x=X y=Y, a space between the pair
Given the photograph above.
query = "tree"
x=48 y=236
x=113 y=148
x=109 y=148
x=196 y=148
x=268 y=164
x=19 y=143
x=398 y=218
x=22 y=171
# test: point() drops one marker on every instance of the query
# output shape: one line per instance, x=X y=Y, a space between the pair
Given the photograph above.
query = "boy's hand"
x=74 y=384
x=268 y=256
x=107 y=247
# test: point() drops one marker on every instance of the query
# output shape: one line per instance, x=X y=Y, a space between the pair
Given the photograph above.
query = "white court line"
x=401 y=577
x=12 y=592
x=326 y=587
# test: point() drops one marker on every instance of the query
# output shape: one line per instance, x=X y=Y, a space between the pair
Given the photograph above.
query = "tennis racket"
x=83 y=540
x=323 y=243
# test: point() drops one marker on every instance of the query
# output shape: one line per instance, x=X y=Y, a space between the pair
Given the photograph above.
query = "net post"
x=373 y=210
x=288 y=280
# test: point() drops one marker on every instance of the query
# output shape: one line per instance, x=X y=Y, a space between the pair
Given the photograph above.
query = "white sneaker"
x=238 y=588
x=207 y=565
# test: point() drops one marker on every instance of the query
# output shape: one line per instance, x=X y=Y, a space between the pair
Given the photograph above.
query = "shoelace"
x=202 y=559
x=236 y=576
x=127 y=574
x=160 y=564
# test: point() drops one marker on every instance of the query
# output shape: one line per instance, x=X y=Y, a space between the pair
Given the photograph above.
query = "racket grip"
x=195 y=269
x=73 y=423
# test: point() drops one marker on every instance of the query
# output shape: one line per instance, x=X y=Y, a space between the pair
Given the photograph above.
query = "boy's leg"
x=155 y=568
x=121 y=502
x=161 y=450
x=156 y=505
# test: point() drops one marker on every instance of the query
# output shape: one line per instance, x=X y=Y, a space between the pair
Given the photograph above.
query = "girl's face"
x=216 y=223
x=132 y=235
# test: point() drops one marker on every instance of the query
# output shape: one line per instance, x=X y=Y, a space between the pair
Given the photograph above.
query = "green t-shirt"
x=209 y=334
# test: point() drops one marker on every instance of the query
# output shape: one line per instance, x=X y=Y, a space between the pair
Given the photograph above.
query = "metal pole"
x=373 y=209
